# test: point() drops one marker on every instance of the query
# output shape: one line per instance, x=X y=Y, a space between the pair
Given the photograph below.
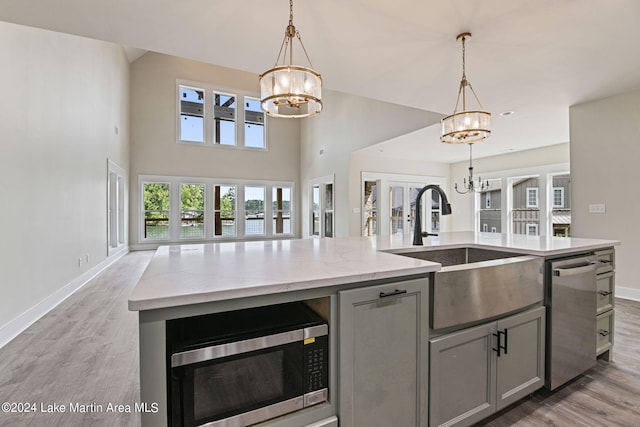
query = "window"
x=191 y=114
x=281 y=200
x=315 y=210
x=490 y=213
x=116 y=208
x=178 y=209
x=211 y=117
x=321 y=207
x=532 y=197
x=156 y=210
x=192 y=211
x=558 y=197
x=328 y=210
x=253 y=123
x=224 y=119
x=254 y=211
x=224 y=210
x=370 y=208
x=532 y=229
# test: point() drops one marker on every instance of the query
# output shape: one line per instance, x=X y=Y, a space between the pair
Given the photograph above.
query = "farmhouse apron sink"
x=479 y=284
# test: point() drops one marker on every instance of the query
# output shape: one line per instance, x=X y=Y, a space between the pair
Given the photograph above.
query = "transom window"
x=212 y=117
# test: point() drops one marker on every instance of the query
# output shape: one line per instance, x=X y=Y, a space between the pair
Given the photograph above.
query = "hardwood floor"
x=85 y=352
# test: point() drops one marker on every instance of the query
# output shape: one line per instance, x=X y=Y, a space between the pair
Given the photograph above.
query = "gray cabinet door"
x=461 y=384
x=520 y=368
x=383 y=355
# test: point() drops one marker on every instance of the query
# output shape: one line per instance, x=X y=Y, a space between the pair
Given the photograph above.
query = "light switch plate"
x=598 y=208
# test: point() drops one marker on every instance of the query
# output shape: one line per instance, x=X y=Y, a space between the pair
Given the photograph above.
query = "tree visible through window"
x=156 y=210
x=192 y=211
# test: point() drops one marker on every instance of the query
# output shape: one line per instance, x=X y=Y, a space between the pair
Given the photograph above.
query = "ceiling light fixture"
x=471 y=186
x=465 y=126
x=288 y=90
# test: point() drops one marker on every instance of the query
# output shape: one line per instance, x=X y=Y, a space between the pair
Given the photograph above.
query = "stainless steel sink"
x=477 y=284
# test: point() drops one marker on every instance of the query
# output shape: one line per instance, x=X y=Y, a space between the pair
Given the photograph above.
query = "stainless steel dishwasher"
x=571 y=323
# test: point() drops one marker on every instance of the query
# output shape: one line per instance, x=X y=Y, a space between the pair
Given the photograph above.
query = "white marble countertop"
x=196 y=273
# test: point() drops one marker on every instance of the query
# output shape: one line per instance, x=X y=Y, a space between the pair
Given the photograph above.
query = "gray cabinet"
x=478 y=371
x=605 y=305
x=383 y=355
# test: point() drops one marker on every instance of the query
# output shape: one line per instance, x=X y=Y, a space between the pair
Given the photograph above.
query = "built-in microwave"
x=242 y=367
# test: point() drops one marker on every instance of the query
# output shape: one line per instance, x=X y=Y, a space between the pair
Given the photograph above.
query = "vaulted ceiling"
x=533 y=57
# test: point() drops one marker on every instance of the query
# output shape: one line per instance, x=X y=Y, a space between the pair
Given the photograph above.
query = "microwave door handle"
x=238 y=347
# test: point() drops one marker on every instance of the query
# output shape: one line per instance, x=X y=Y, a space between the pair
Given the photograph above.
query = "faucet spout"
x=445 y=210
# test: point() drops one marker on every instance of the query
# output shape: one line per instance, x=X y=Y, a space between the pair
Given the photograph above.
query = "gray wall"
x=154 y=150
x=63 y=97
x=605 y=150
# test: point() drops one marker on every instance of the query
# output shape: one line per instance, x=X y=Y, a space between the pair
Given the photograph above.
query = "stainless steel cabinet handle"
x=603 y=332
x=392 y=294
x=604 y=293
x=574 y=270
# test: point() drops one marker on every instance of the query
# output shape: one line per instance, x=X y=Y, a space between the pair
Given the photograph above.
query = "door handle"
x=571 y=271
x=501 y=347
x=392 y=294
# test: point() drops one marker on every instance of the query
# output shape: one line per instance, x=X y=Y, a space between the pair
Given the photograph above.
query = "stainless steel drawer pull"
x=604 y=293
x=392 y=294
x=603 y=332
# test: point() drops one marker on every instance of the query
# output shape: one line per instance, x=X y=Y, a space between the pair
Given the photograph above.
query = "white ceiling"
x=533 y=57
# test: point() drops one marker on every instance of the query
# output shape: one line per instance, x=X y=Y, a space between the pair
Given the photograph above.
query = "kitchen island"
x=335 y=275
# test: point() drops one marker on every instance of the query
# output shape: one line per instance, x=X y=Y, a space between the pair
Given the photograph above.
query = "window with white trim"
x=321 y=207
x=116 y=207
x=210 y=116
x=532 y=197
x=532 y=229
x=558 y=197
x=179 y=209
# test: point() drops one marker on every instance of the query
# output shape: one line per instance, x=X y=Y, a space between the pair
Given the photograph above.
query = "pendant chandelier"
x=465 y=126
x=471 y=186
x=289 y=90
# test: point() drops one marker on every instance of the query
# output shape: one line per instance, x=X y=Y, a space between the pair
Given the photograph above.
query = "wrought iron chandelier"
x=465 y=126
x=289 y=90
x=471 y=186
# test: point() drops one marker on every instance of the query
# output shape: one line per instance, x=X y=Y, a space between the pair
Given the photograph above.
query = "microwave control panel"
x=317 y=363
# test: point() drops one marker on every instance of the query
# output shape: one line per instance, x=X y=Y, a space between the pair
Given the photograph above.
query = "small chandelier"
x=471 y=186
x=465 y=126
x=288 y=90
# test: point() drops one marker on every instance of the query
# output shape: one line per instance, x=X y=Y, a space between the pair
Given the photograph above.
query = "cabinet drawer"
x=604 y=331
x=606 y=260
x=606 y=287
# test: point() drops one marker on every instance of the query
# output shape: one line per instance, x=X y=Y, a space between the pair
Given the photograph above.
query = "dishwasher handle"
x=571 y=271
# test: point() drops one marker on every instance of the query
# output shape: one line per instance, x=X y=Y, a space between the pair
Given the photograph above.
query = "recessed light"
x=506 y=113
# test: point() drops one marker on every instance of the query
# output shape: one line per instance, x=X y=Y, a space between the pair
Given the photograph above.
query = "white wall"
x=348 y=123
x=605 y=151
x=154 y=150
x=361 y=162
x=488 y=167
x=62 y=98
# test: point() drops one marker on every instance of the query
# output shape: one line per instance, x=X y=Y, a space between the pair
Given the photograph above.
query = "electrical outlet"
x=598 y=208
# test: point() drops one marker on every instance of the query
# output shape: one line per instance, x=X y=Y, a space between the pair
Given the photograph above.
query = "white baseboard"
x=16 y=326
x=628 y=293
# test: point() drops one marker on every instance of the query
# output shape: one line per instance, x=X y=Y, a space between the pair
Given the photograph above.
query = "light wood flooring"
x=85 y=352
